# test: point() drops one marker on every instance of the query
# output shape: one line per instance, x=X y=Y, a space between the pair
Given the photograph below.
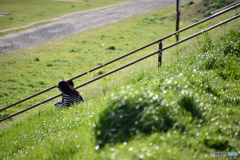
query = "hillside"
x=184 y=110
x=189 y=106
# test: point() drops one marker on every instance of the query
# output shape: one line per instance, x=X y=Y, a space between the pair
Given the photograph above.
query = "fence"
x=111 y=72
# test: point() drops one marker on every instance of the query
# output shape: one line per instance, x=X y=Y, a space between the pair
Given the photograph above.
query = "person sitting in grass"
x=70 y=95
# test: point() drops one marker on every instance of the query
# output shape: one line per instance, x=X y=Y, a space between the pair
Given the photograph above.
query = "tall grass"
x=37 y=68
x=198 y=113
x=179 y=109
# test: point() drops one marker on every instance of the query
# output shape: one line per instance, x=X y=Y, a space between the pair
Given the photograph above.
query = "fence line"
x=129 y=64
x=214 y=12
x=161 y=39
x=183 y=40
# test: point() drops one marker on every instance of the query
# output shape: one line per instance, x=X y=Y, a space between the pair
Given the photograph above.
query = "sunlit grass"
x=39 y=67
x=23 y=13
x=51 y=133
x=62 y=133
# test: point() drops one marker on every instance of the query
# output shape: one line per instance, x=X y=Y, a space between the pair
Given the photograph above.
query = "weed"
x=190 y=3
x=49 y=64
x=217 y=144
x=111 y=48
x=3 y=114
x=73 y=50
x=100 y=72
x=37 y=59
x=188 y=103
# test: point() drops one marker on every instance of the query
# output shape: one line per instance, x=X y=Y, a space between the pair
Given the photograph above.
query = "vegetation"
x=37 y=68
x=212 y=5
x=202 y=9
x=26 y=12
x=197 y=99
x=184 y=110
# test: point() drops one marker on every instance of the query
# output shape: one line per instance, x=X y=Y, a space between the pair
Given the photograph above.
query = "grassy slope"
x=211 y=125
x=188 y=109
x=36 y=68
x=204 y=8
x=70 y=133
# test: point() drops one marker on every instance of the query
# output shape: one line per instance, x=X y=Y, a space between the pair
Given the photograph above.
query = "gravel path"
x=78 y=22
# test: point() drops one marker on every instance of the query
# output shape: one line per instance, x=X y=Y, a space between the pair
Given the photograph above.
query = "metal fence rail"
x=150 y=44
x=214 y=12
x=111 y=72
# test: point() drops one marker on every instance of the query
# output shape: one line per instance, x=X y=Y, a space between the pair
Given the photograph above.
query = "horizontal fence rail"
x=129 y=64
x=128 y=54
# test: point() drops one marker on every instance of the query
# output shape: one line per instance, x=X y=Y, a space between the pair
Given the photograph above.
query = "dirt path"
x=77 y=22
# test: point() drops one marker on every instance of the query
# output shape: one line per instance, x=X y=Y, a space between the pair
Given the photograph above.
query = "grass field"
x=194 y=96
x=32 y=71
x=34 y=13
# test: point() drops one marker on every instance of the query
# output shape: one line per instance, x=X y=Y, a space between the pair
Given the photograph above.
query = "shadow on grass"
x=140 y=111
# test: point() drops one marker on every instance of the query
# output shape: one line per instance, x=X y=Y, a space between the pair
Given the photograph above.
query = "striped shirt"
x=67 y=100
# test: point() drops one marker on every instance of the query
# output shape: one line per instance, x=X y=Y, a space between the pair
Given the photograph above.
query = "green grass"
x=36 y=68
x=202 y=9
x=189 y=94
x=214 y=5
x=184 y=110
x=198 y=95
x=24 y=12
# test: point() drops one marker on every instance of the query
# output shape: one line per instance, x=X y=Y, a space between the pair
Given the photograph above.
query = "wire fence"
x=159 y=51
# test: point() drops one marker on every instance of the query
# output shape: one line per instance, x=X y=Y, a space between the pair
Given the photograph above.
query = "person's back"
x=71 y=99
x=70 y=95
